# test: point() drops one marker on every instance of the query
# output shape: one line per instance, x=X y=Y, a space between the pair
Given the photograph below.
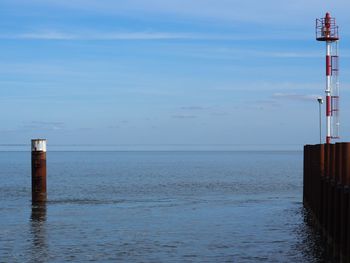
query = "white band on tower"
x=39 y=145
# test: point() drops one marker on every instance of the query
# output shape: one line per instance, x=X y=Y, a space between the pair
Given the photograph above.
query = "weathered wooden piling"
x=38 y=170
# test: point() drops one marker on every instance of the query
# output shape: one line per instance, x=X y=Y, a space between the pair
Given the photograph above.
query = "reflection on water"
x=313 y=244
x=39 y=248
x=38 y=214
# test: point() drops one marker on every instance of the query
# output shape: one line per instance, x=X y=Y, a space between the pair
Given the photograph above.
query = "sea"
x=158 y=206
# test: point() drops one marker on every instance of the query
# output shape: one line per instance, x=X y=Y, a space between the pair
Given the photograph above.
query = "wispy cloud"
x=52 y=34
x=184 y=116
x=43 y=125
x=233 y=53
x=266 y=86
x=295 y=96
x=194 y=108
x=267 y=102
x=56 y=35
x=48 y=35
x=275 y=100
x=119 y=124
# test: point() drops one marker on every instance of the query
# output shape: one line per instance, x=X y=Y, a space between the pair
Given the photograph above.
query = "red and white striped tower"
x=327 y=31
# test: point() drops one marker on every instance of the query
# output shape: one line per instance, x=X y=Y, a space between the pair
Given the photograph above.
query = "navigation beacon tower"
x=327 y=31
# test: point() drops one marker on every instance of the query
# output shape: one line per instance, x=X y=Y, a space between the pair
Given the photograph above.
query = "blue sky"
x=185 y=74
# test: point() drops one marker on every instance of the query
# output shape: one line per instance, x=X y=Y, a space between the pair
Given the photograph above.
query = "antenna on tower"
x=327 y=31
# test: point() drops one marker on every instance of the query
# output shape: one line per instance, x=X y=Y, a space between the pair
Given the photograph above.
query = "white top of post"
x=39 y=145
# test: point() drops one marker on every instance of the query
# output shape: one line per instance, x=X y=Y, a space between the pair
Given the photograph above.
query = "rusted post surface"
x=38 y=170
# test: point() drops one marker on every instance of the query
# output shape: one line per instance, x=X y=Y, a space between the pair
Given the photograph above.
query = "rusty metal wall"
x=326 y=192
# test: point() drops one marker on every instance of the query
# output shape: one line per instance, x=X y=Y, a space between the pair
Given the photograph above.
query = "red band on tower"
x=328 y=66
x=328 y=106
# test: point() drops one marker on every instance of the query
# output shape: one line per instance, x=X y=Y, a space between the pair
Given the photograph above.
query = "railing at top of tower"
x=326 y=29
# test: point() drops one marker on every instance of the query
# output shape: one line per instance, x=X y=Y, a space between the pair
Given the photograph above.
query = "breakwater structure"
x=326 y=192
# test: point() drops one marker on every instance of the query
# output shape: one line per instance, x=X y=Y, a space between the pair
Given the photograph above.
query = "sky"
x=167 y=75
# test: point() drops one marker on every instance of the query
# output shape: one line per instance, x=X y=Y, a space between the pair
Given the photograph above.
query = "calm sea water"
x=157 y=207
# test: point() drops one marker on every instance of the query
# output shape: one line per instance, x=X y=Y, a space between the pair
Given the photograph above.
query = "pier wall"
x=326 y=192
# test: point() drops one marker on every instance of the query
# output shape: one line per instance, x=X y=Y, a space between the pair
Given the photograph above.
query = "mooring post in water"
x=38 y=170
